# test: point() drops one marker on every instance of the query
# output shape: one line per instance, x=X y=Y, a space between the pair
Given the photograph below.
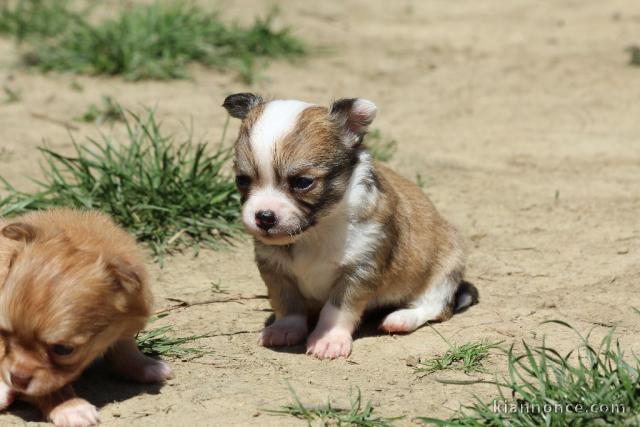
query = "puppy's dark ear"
x=20 y=231
x=126 y=276
x=353 y=116
x=239 y=104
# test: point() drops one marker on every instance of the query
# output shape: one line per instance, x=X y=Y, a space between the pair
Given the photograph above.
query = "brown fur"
x=418 y=246
x=420 y=243
x=382 y=243
x=313 y=149
x=68 y=278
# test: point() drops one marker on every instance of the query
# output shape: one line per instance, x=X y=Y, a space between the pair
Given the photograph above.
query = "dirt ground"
x=522 y=117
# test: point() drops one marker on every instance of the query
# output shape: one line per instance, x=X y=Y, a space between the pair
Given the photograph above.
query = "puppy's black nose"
x=20 y=380
x=266 y=219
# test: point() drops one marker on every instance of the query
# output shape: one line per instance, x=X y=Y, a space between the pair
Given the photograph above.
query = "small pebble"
x=412 y=361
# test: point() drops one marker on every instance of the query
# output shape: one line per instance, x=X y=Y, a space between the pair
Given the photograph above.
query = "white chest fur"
x=317 y=260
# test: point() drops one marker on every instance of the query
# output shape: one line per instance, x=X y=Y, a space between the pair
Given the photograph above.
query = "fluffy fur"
x=73 y=287
x=335 y=233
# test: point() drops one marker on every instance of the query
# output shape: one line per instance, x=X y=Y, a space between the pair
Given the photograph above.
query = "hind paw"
x=288 y=331
x=402 y=321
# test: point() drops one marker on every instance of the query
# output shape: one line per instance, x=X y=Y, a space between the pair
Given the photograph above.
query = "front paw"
x=7 y=395
x=74 y=413
x=288 y=331
x=330 y=344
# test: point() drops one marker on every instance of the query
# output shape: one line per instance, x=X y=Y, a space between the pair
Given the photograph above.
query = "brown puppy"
x=73 y=287
x=336 y=233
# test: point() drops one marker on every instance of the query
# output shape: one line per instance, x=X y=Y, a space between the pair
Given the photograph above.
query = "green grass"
x=107 y=111
x=34 y=19
x=421 y=181
x=5 y=155
x=157 y=342
x=152 y=41
x=217 y=288
x=634 y=55
x=169 y=194
x=466 y=357
x=357 y=415
x=11 y=95
x=76 y=86
x=589 y=375
x=250 y=69
x=381 y=147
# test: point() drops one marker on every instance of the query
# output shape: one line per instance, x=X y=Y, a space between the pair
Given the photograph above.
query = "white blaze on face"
x=276 y=121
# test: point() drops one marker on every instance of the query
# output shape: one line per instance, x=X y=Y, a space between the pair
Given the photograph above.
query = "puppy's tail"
x=466 y=296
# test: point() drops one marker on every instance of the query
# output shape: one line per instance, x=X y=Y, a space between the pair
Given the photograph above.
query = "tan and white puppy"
x=335 y=232
x=73 y=287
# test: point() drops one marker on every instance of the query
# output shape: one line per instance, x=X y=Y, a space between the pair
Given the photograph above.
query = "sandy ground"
x=522 y=117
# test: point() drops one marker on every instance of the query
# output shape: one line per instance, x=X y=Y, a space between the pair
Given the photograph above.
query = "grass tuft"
x=169 y=194
x=108 y=111
x=358 y=415
x=218 y=288
x=587 y=386
x=421 y=181
x=144 y=41
x=156 y=342
x=466 y=357
x=5 y=155
x=11 y=95
x=36 y=19
x=634 y=55
x=381 y=147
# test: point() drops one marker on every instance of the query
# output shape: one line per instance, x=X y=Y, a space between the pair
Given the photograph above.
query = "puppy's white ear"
x=20 y=231
x=238 y=105
x=353 y=116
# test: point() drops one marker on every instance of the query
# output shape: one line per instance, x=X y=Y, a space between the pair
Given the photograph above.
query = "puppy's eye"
x=61 y=350
x=243 y=182
x=301 y=183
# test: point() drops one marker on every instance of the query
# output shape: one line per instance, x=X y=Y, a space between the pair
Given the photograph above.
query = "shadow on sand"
x=372 y=319
x=96 y=385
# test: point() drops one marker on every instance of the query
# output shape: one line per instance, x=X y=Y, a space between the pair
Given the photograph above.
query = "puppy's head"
x=293 y=161
x=61 y=307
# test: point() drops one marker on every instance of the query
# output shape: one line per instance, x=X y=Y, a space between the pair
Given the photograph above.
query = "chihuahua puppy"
x=73 y=287
x=336 y=233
